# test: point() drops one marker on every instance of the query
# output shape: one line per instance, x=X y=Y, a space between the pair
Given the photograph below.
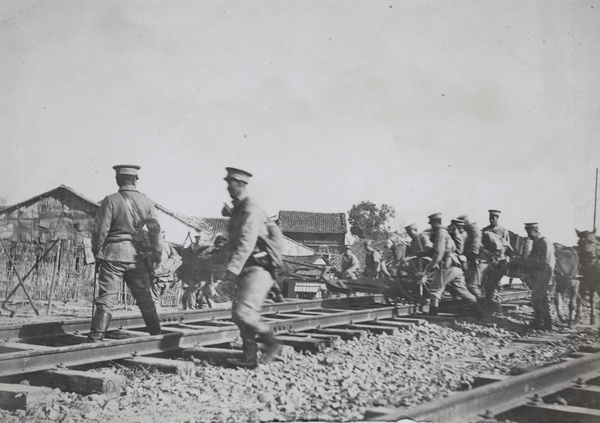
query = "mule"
x=589 y=256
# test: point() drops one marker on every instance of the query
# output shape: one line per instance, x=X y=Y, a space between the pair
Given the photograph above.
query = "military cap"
x=237 y=175
x=126 y=169
x=464 y=217
x=532 y=226
x=458 y=221
x=494 y=212
x=435 y=216
x=411 y=226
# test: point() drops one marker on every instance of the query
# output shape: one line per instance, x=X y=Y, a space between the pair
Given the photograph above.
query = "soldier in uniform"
x=113 y=238
x=446 y=265
x=471 y=249
x=350 y=264
x=250 y=268
x=374 y=265
x=420 y=244
x=540 y=266
x=498 y=259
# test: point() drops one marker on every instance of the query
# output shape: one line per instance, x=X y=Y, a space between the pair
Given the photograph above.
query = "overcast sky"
x=428 y=106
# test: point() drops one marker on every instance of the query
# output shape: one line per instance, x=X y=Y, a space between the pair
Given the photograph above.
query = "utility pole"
x=595 y=198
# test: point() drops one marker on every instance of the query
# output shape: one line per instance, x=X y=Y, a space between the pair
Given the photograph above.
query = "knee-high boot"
x=152 y=321
x=100 y=323
x=250 y=349
x=273 y=346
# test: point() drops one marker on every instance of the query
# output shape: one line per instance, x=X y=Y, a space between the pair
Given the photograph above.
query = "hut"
x=48 y=238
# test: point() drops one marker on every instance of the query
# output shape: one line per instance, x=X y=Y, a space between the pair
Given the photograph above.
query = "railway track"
x=567 y=392
x=47 y=347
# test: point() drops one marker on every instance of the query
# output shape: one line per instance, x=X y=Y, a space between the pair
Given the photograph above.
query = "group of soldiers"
x=468 y=262
x=129 y=246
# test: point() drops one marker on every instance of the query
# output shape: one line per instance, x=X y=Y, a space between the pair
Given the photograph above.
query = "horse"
x=567 y=282
x=566 y=275
x=589 y=256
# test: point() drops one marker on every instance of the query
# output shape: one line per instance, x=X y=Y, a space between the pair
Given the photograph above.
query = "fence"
x=60 y=265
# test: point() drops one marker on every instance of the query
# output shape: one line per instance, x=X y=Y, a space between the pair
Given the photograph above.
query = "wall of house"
x=335 y=242
x=39 y=264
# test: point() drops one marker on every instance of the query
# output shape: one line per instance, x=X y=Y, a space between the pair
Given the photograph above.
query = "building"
x=50 y=234
x=219 y=225
x=322 y=232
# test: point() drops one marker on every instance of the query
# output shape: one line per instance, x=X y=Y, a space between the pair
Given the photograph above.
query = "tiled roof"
x=219 y=225
x=316 y=223
x=358 y=249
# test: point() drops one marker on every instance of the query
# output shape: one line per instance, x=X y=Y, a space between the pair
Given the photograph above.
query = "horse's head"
x=588 y=241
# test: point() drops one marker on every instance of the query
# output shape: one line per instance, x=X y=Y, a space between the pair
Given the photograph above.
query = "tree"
x=368 y=221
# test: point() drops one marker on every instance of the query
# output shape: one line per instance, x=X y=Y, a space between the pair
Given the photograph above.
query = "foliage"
x=369 y=221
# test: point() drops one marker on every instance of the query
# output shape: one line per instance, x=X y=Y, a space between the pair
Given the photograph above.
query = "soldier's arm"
x=250 y=220
x=101 y=226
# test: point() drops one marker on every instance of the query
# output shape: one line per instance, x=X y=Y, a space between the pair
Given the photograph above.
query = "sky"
x=428 y=106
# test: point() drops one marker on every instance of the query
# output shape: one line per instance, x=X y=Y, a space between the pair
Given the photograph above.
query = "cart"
x=410 y=284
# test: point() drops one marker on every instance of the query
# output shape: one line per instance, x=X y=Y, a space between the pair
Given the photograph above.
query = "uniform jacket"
x=248 y=222
x=419 y=246
x=444 y=248
x=472 y=245
x=350 y=263
x=501 y=231
x=542 y=252
x=113 y=225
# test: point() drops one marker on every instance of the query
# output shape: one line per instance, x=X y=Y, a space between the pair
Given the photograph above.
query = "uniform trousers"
x=252 y=285
x=450 y=275
x=541 y=277
x=491 y=285
x=110 y=278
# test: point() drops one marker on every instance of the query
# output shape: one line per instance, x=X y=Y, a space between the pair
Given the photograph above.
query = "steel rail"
x=498 y=397
x=36 y=330
x=73 y=351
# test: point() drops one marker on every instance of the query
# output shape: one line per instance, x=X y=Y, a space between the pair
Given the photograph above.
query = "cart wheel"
x=414 y=282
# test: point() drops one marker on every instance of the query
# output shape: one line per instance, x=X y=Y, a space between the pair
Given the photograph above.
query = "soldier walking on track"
x=122 y=253
x=251 y=267
x=540 y=266
x=448 y=271
x=496 y=253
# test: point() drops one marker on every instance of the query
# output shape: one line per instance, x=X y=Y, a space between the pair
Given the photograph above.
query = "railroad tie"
x=163 y=365
x=83 y=382
x=24 y=397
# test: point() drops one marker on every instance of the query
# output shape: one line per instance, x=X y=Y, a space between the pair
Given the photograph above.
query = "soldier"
x=494 y=216
x=446 y=265
x=117 y=247
x=420 y=244
x=471 y=249
x=374 y=265
x=350 y=264
x=540 y=266
x=495 y=248
x=251 y=268
x=164 y=272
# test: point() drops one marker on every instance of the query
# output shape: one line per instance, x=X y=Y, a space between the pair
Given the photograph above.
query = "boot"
x=100 y=323
x=152 y=321
x=433 y=310
x=250 y=360
x=273 y=347
x=477 y=311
